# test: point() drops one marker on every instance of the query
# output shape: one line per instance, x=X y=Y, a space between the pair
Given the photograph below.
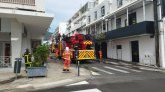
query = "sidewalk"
x=6 y=75
x=136 y=65
x=55 y=78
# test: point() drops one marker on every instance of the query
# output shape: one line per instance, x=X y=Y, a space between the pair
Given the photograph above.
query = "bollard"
x=78 y=68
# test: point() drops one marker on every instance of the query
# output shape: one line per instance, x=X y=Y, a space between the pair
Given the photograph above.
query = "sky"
x=62 y=10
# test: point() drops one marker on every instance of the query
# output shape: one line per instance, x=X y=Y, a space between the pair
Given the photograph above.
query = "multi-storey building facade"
x=124 y=30
x=61 y=29
x=79 y=20
x=23 y=24
x=125 y=40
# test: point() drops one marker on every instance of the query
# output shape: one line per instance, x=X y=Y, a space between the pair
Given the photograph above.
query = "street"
x=116 y=77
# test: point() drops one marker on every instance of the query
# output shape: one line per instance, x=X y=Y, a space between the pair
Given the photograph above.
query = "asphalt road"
x=117 y=77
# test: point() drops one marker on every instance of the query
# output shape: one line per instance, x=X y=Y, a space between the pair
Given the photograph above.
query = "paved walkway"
x=55 y=77
x=6 y=74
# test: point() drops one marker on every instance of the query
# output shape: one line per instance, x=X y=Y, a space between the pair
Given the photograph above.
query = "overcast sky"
x=62 y=10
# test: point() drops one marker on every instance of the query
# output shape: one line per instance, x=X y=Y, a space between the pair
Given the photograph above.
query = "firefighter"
x=52 y=47
x=27 y=56
x=56 y=53
x=67 y=59
x=100 y=55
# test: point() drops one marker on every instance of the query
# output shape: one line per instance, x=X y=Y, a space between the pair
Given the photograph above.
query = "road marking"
x=125 y=63
x=45 y=85
x=114 y=63
x=94 y=73
x=78 y=83
x=88 y=90
x=150 y=69
x=102 y=70
x=24 y=86
x=129 y=69
x=116 y=69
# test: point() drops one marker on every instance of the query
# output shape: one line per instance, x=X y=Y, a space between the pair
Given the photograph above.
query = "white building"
x=79 y=20
x=61 y=29
x=23 y=25
x=124 y=30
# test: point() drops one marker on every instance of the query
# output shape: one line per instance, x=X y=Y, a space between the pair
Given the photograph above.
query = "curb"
x=49 y=85
x=45 y=86
x=11 y=79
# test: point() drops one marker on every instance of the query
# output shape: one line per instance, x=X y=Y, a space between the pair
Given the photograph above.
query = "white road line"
x=119 y=70
x=89 y=90
x=94 y=73
x=114 y=63
x=78 y=83
x=125 y=63
x=129 y=69
x=102 y=70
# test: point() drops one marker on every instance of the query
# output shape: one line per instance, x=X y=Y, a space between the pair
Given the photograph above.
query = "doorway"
x=135 y=51
x=119 y=52
x=7 y=49
x=104 y=49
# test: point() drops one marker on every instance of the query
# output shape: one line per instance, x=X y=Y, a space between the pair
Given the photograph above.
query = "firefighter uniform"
x=57 y=53
x=27 y=56
x=67 y=59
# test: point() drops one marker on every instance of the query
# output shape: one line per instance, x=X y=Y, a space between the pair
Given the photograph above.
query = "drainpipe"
x=162 y=36
x=156 y=33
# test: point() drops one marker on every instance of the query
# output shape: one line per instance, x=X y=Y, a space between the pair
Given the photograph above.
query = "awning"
x=35 y=22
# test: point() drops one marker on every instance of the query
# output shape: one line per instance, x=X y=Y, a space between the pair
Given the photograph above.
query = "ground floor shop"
x=139 y=49
x=18 y=33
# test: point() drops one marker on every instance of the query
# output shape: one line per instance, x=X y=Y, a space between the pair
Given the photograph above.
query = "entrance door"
x=135 y=51
x=104 y=49
x=7 y=49
x=119 y=52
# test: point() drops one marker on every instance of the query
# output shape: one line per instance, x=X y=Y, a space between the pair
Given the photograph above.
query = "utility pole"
x=156 y=33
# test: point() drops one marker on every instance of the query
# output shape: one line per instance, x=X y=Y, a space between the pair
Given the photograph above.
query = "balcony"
x=146 y=27
x=22 y=2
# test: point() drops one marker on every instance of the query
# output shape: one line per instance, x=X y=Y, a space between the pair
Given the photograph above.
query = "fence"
x=5 y=61
x=23 y=2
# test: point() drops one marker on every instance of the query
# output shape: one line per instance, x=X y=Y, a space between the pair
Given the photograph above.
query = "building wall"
x=26 y=42
x=5 y=25
x=62 y=28
x=97 y=8
x=39 y=5
x=16 y=39
x=146 y=48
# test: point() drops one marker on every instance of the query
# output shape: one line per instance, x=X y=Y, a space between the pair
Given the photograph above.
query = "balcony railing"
x=146 y=27
x=22 y=2
x=5 y=61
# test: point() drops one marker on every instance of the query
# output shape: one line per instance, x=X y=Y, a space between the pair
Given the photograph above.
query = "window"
x=132 y=18
x=104 y=28
x=119 y=3
x=102 y=11
x=163 y=8
x=119 y=47
x=95 y=15
x=118 y=23
x=89 y=19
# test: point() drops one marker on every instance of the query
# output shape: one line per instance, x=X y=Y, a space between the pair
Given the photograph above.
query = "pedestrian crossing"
x=82 y=83
x=98 y=69
x=110 y=70
x=88 y=90
x=119 y=70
